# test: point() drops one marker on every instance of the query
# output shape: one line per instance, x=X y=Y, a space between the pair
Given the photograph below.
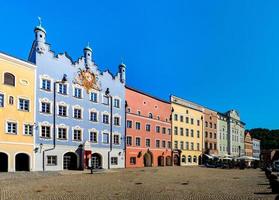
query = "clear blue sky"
x=221 y=54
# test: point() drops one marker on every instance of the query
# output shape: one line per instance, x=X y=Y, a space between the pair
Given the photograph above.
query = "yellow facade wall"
x=184 y=110
x=24 y=73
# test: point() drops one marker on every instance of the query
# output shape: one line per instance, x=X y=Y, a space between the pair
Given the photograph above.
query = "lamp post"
x=107 y=93
x=63 y=80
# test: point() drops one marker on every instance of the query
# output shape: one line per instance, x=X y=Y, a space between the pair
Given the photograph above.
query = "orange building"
x=148 y=130
x=248 y=145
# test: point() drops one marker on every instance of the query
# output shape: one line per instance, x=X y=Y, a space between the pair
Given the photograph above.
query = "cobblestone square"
x=142 y=183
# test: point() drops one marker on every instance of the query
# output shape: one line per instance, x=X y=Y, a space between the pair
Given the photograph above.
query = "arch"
x=4 y=160
x=9 y=79
x=195 y=159
x=148 y=159
x=150 y=115
x=189 y=159
x=22 y=162
x=183 y=159
x=168 y=161
x=161 y=161
x=70 y=161
x=176 y=160
x=97 y=161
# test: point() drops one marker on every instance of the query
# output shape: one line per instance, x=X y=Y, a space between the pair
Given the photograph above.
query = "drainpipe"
x=172 y=110
x=125 y=133
x=110 y=149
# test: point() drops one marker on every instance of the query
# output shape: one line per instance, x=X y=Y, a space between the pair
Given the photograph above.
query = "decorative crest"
x=87 y=79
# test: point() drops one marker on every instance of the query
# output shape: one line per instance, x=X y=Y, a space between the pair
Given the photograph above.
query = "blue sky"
x=220 y=54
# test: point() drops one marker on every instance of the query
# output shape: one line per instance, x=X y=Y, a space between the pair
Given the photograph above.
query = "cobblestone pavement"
x=145 y=183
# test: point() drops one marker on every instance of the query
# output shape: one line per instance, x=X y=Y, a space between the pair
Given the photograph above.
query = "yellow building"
x=187 y=132
x=17 y=115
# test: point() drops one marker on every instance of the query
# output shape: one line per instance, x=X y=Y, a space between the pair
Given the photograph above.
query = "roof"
x=17 y=60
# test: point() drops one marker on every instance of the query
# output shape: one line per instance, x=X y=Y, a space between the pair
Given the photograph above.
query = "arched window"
x=189 y=159
x=183 y=159
x=9 y=79
x=150 y=115
x=195 y=159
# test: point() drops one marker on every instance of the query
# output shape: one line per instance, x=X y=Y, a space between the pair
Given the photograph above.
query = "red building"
x=148 y=130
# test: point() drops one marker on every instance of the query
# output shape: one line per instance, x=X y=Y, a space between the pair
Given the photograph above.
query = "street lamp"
x=63 y=80
x=107 y=93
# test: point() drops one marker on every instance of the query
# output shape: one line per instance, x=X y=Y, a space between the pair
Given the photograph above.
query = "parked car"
x=275 y=166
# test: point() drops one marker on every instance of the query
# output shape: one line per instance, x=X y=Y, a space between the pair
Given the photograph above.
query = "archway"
x=22 y=162
x=176 y=160
x=168 y=161
x=161 y=160
x=148 y=159
x=4 y=162
x=70 y=161
x=96 y=161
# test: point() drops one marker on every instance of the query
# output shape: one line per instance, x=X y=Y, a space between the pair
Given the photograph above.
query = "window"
x=77 y=93
x=137 y=125
x=187 y=132
x=77 y=113
x=215 y=126
x=45 y=132
x=198 y=134
x=206 y=145
x=133 y=160
x=164 y=130
x=187 y=120
x=77 y=135
x=94 y=97
x=128 y=110
x=129 y=141
x=181 y=145
x=9 y=79
x=139 y=112
x=206 y=124
x=46 y=84
x=116 y=121
x=93 y=116
x=195 y=159
x=51 y=160
x=206 y=134
x=210 y=135
x=45 y=107
x=198 y=122
x=198 y=146
x=23 y=104
x=181 y=131
x=11 y=100
x=116 y=139
x=192 y=133
x=62 y=133
x=157 y=143
x=1 y=100
x=164 y=144
x=189 y=159
x=169 y=131
x=105 y=118
x=175 y=144
x=150 y=115
x=12 y=127
x=175 y=130
x=158 y=129
x=137 y=141
x=62 y=111
x=28 y=129
x=215 y=146
x=105 y=100
x=147 y=127
x=147 y=142
x=105 y=138
x=192 y=121
x=62 y=88
x=175 y=117
x=116 y=103
x=210 y=145
x=187 y=145
x=93 y=136
x=210 y=124
x=181 y=118
x=129 y=124
x=114 y=161
x=169 y=144
x=183 y=159
x=215 y=135
x=192 y=146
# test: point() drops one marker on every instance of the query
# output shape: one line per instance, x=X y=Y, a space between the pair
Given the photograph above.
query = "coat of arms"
x=87 y=79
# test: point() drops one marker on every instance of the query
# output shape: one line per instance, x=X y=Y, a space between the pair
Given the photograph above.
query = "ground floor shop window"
x=114 y=160
x=52 y=160
x=133 y=160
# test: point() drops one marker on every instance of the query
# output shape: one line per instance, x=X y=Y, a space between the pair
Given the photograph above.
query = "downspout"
x=110 y=149
x=125 y=133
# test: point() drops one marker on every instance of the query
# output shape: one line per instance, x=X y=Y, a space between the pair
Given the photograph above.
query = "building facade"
x=248 y=145
x=256 y=148
x=187 y=132
x=223 y=136
x=148 y=133
x=210 y=132
x=17 y=97
x=85 y=126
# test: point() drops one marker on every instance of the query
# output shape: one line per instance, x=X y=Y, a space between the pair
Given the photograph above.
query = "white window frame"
x=16 y=127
